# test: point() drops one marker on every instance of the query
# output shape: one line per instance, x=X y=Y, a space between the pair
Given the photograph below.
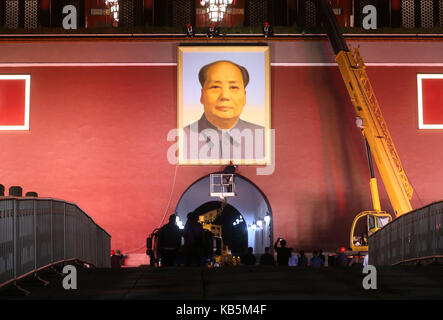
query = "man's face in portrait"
x=223 y=95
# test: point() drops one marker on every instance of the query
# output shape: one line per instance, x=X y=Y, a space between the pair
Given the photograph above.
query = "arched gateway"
x=246 y=220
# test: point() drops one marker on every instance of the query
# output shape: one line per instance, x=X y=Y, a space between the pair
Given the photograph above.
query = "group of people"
x=291 y=257
x=196 y=242
x=211 y=32
x=214 y=31
x=285 y=257
x=198 y=249
x=266 y=259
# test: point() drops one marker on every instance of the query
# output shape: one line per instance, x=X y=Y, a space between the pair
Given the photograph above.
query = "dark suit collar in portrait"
x=204 y=123
x=226 y=140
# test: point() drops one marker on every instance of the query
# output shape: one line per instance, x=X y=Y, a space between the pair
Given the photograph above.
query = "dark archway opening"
x=234 y=228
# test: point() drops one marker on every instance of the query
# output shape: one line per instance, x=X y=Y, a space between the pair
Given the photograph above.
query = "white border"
x=420 y=77
x=27 y=99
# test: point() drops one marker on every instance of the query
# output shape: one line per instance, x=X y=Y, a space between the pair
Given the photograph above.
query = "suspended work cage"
x=222 y=185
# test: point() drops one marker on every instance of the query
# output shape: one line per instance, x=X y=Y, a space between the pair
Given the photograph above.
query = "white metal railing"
x=39 y=232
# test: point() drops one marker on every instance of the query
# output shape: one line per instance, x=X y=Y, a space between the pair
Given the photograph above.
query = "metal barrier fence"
x=417 y=235
x=36 y=233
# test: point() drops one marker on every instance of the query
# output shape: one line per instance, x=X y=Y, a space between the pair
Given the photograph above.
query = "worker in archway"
x=193 y=234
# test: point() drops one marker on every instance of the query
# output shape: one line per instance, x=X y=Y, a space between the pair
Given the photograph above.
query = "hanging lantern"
x=114 y=8
x=216 y=9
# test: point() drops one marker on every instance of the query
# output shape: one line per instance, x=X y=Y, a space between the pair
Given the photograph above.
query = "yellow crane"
x=374 y=129
x=222 y=254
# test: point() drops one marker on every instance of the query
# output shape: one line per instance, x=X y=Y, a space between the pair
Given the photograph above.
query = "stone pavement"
x=236 y=283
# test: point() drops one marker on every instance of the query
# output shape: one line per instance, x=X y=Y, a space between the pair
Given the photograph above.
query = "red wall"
x=98 y=138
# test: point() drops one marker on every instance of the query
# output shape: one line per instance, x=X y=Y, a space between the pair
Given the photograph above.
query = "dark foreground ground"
x=236 y=283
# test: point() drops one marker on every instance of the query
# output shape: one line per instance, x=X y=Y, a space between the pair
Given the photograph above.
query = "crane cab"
x=374 y=221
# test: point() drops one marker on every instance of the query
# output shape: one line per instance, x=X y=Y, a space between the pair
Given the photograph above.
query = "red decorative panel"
x=14 y=102
x=430 y=101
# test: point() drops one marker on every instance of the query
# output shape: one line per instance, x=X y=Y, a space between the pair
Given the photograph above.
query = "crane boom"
x=375 y=129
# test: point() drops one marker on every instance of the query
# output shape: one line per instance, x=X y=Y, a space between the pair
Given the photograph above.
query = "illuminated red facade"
x=100 y=117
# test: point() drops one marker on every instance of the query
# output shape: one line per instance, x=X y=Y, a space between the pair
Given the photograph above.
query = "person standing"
x=267 y=259
x=267 y=30
x=342 y=259
x=293 y=260
x=283 y=253
x=366 y=260
x=322 y=256
x=115 y=260
x=189 y=31
x=193 y=234
x=302 y=260
x=316 y=261
x=249 y=259
x=169 y=241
